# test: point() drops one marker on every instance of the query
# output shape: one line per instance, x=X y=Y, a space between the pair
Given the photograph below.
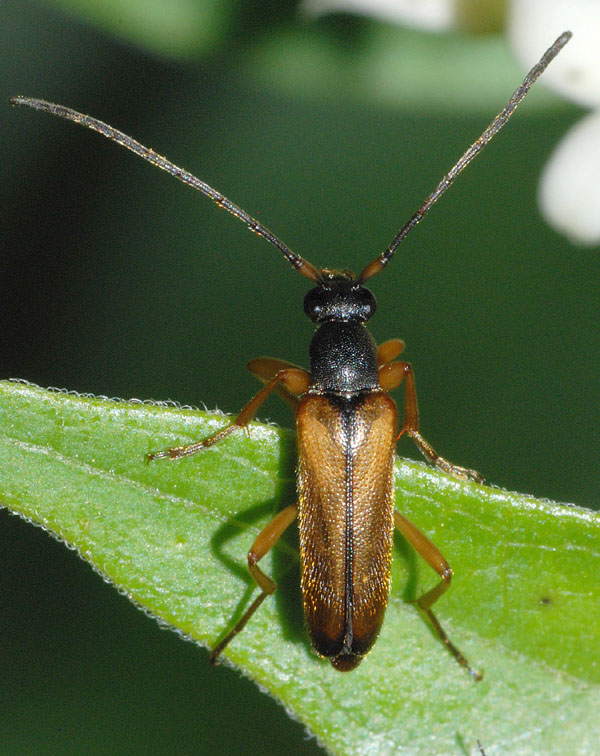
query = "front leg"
x=391 y=375
x=265 y=368
x=291 y=379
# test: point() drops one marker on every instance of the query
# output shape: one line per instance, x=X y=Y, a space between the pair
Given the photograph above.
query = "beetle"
x=347 y=428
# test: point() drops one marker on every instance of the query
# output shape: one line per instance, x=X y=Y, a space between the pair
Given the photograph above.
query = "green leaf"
x=399 y=68
x=341 y=57
x=177 y=29
x=173 y=536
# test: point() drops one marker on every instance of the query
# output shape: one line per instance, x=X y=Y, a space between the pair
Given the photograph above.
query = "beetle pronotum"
x=346 y=429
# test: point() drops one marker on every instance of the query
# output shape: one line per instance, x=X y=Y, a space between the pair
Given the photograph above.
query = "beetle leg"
x=390 y=377
x=389 y=350
x=265 y=368
x=295 y=380
x=264 y=542
x=435 y=559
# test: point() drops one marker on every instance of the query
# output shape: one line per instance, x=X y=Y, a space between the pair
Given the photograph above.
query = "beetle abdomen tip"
x=346 y=662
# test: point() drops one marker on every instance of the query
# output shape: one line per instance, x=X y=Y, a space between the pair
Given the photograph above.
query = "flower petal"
x=568 y=196
x=434 y=15
x=534 y=24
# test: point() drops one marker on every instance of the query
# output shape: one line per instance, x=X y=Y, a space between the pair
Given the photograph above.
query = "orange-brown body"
x=345 y=513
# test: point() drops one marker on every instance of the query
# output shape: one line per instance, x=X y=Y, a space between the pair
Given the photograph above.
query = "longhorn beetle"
x=346 y=428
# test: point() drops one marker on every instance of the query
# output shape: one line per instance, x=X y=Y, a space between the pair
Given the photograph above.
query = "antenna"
x=379 y=263
x=301 y=265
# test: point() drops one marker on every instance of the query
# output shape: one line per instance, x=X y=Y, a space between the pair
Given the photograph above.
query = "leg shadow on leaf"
x=242 y=527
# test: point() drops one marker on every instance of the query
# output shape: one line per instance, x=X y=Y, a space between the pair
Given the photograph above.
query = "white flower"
x=569 y=193
x=533 y=24
x=435 y=15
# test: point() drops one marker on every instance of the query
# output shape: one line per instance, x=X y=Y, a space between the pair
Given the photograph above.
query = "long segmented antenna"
x=301 y=265
x=379 y=263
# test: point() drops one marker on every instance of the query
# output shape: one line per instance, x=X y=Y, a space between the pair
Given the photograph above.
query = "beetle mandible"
x=346 y=431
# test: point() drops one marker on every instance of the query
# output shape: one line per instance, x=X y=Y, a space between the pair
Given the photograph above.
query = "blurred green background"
x=117 y=280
